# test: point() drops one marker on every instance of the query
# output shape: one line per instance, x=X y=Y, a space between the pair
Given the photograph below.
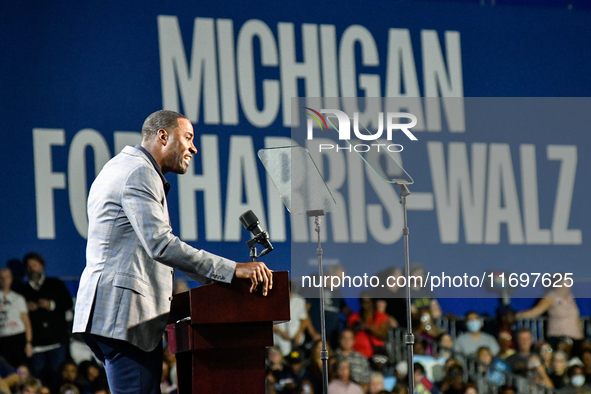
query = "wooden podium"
x=219 y=334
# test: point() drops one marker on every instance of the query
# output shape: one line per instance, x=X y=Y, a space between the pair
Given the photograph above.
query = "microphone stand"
x=323 y=352
x=409 y=337
x=258 y=239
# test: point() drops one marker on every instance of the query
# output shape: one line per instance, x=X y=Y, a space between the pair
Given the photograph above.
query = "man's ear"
x=162 y=136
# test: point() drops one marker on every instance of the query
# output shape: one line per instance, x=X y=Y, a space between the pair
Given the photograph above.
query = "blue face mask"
x=578 y=380
x=474 y=325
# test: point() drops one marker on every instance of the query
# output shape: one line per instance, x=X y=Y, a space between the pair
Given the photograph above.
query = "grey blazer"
x=131 y=255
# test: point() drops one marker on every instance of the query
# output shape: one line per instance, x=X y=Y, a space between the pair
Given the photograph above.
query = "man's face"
x=23 y=372
x=5 y=280
x=524 y=342
x=179 y=148
x=34 y=269
x=69 y=373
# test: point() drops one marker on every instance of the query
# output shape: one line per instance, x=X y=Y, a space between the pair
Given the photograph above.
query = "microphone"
x=251 y=223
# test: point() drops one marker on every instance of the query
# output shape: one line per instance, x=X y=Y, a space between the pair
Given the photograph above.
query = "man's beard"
x=35 y=276
x=180 y=165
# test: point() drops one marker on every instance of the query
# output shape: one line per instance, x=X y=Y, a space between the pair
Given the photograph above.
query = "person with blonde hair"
x=69 y=388
x=30 y=386
x=376 y=383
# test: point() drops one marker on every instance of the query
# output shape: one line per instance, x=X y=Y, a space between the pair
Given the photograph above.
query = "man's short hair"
x=163 y=119
x=472 y=312
x=33 y=256
x=522 y=330
x=276 y=348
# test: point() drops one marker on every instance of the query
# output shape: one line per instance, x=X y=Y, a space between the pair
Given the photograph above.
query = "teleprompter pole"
x=409 y=337
x=317 y=213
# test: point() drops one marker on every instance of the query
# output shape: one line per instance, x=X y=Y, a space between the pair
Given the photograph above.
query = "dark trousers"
x=46 y=365
x=12 y=348
x=129 y=369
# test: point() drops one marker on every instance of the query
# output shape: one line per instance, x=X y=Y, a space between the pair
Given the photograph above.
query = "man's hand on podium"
x=258 y=273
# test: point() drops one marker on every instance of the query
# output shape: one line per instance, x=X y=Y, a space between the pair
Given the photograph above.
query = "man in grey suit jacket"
x=126 y=288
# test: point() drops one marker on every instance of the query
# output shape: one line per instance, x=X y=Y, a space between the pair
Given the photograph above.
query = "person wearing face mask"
x=469 y=342
x=49 y=303
x=537 y=372
x=577 y=384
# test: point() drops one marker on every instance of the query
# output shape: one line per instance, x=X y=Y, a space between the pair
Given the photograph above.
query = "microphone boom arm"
x=259 y=239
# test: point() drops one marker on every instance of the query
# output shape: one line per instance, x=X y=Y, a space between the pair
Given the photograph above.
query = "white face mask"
x=474 y=325
x=578 y=380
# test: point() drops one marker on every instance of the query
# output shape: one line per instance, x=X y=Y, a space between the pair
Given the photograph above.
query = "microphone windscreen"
x=249 y=220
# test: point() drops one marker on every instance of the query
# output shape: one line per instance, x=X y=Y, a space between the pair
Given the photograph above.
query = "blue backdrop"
x=78 y=79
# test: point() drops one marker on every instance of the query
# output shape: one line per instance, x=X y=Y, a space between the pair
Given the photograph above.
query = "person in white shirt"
x=291 y=334
x=469 y=342
x=16 y=335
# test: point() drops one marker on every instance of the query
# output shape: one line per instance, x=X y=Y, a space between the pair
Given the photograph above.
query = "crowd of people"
x=38 y=353
x=489 y=355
